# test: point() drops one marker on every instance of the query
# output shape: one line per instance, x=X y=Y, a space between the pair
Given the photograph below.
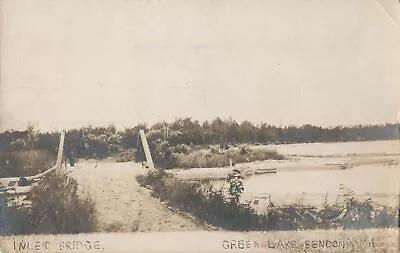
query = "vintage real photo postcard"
x=199 y=126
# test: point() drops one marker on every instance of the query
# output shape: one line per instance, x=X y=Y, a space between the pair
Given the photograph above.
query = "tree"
x=236 y=187
x=32 y=135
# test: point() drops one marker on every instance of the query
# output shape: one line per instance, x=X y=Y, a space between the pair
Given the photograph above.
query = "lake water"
x=375 y=175
x=368 y=180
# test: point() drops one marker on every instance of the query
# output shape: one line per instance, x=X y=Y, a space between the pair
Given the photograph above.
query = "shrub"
x=25 y=163
x=216 y=158
x=206 y=203
x=96 y=147
x=126 y=156
x=182 y=148
x=163 y=155
x=214 y=149
x=214 y=207
x=48 y=141
x=236 y=188
x=151 y=178
x=217 y=210
x=56 y=208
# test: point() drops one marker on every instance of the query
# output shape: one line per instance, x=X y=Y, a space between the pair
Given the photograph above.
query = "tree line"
x=97 y=142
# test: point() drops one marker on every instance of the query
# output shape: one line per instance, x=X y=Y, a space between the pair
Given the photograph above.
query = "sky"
x=67 y=64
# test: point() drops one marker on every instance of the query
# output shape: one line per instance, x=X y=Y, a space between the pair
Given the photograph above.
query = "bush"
x=48 y=141
x=151 y=178
x=162 y=154
x=214 y=207
x=126 y=156
x=217 y=210
x=236 y=187
x=216 y=158
x=182 y=149
x=25 y=163
x=205 y=203
x=56 y=208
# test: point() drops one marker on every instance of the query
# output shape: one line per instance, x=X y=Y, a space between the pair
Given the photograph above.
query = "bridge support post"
x=146 y=150
x=60 y=152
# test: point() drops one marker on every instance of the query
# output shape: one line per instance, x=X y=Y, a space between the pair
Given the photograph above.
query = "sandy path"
x=124 y=206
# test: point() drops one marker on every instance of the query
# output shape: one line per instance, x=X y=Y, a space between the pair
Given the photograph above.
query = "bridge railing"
x=12 y=181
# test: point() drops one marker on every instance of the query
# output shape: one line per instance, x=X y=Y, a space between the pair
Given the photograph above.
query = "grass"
x=213 y=207
x=214 y=157
x=25 y=163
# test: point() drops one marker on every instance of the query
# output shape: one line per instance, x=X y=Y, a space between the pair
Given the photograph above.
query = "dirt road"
x=124 y=206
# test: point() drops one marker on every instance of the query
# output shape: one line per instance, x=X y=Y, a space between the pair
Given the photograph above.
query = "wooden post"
x=146 y=150
x=60 y=151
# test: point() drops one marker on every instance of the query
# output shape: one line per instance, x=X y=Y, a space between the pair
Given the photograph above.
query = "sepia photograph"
x=200 y=126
